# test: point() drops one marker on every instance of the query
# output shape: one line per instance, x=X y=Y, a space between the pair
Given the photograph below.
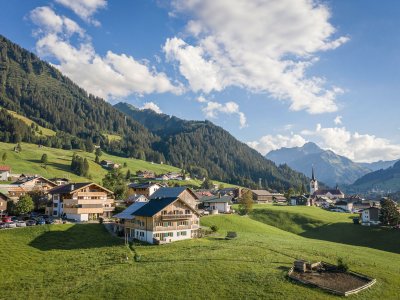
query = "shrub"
x=342 y=266
x=214 y=228
x=231 y=235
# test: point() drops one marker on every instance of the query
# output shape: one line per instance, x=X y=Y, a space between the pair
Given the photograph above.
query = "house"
x=146 y=174
x=279 y=198
x=359 y=206
x=135 y=198
x=108 y=164
x=3 y=203
x=262 y=196
x=59 y=181
x=370 y=216
x=219 y=203
x=163 y=220
x=346 y=206
x=146 y=189
x=35 y=183
x=15 y=192
x=203 y=193
x=126 y=216
x=181 y=192
x=298 y=200
x=162 y=177
x=81 y=201
x=5 y=172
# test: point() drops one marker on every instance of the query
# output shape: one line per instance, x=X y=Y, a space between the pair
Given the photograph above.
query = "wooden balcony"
x=89 y=210
x=175 y=217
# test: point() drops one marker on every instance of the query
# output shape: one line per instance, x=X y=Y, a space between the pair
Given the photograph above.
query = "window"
x=187 y=211
x=55 y=205
x=55 y=213
x=183 y=233
x=166 y=224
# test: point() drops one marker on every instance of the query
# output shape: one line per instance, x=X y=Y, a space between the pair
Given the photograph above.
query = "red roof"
x=5 y=168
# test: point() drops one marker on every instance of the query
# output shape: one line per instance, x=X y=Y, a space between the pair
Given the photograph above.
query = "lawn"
x=316 y=223
x=85 y=262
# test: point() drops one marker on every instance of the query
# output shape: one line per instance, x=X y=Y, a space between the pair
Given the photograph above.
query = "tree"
x=207 y=184
x=115 y=181
x=18 y=147
x=44 y=159
x=39 y=199
x=246 y=203
x=128 y=175
x=289 y=193
x=98 y=152
x=125 y=164
x=4 y=157
x=85 y=168
x=97 y=159
x=89 y=145
x=389 y=215
x=24 y=205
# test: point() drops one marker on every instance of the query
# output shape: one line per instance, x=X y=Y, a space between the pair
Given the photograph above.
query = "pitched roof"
x=5 y=168
x=30 y=178
x=261 y=192
x=142 y=185
x=71 y=187
x=216 y=199
x=168 y=192
x=154 y=206
x=331 y=191
x=128 y=212
x=341 y=203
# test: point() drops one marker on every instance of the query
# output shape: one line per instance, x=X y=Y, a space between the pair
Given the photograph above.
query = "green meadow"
x=83 y=261
x=59 y=162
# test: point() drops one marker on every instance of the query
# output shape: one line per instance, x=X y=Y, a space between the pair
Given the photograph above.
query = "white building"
x=5 y=172
x=370 y=216
x=220 y=204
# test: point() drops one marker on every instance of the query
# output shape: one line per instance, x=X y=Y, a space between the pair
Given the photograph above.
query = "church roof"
x=331 y=191
x=312 y=175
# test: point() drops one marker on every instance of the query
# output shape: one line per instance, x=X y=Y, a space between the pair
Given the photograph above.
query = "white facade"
x=222 y=207
x=167 y=236
x=4 y=175
x=366 y=218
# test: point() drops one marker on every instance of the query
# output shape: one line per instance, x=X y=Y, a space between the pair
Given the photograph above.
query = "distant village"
x=152 y=211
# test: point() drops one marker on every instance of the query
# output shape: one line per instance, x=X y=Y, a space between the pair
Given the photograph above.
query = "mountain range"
x=330 y=167
x=38 y=91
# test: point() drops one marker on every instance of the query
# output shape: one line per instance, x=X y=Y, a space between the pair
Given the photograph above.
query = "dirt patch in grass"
x=341 y=282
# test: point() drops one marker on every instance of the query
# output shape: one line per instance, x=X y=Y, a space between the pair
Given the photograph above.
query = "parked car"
x=14 y=219
x=30 y=223
x=20 y=224
x=7 y=219
x=40 y=222
x=2 y=225
x=11 y=225
x=49 y=221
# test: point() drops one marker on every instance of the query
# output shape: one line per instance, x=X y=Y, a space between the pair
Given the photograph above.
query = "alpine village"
x=106 y=200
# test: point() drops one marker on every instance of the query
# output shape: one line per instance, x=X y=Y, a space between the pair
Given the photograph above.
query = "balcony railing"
x=175 y=217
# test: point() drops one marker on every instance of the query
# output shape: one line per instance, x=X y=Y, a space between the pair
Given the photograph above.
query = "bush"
x=214 y=228
x=342 y=266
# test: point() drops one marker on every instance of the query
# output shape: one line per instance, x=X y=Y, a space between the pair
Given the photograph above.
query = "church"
x=315 y=192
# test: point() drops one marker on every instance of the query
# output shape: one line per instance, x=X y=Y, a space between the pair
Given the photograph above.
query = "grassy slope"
x=316 y=223
x=45 y=131
x=83 y=261
x=59 y=161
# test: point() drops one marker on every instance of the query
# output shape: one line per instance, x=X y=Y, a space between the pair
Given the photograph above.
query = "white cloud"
x=152 y=106
x=49 y=22
x=268 y=143
x=358 y=147
x=85 y=9
x=213 y=109
x=110 y=76
x=338 y=120
x=263 y=46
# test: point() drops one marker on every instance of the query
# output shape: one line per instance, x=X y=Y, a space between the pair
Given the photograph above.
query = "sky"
x=273 y=73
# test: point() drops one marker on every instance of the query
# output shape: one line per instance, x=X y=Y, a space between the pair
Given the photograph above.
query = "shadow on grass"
x=347 y=233
x=79 y=236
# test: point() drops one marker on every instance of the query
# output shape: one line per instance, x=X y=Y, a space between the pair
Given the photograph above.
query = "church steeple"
x=313 y=182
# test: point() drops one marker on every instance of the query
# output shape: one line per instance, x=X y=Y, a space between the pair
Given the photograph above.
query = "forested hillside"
x=35 y=89
x=202 y=144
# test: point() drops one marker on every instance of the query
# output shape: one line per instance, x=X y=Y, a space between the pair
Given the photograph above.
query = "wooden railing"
x=175 y=217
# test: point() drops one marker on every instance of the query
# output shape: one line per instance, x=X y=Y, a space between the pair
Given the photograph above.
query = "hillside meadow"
x=59 y=161
x=82 y=261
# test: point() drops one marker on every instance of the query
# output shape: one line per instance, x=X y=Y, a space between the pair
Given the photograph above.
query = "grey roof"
x=144 y=185
x=168 y=192
x=68 y=188
x=128 y=212
x=332 y=191
x=216 y=199
x=154 y=206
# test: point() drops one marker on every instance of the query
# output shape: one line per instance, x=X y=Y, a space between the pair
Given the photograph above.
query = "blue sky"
x=273 y=73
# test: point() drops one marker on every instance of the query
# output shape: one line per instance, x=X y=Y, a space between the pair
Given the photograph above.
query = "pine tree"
x=97 y=159
x=128 y=175
x=44 y=159
x=389 y=215
x=4 y=157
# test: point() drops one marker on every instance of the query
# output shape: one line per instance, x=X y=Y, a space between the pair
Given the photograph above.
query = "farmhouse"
x=3 y=203
x=135 y=198
x=81 y=201
x=370 y=216
x=219 y=203
x=5 y=172
x=146 y=189
x=346 y=206
x=35 y=183
x=162 y=220
x=329 y=193
x=145 y=174
x=60 y=181
x=177 y=192
x=262 y=196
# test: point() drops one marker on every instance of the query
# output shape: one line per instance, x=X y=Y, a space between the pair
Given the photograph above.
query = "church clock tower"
x=313 y=183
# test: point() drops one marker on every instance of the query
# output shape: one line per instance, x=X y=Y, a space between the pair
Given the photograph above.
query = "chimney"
x=72 y=187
